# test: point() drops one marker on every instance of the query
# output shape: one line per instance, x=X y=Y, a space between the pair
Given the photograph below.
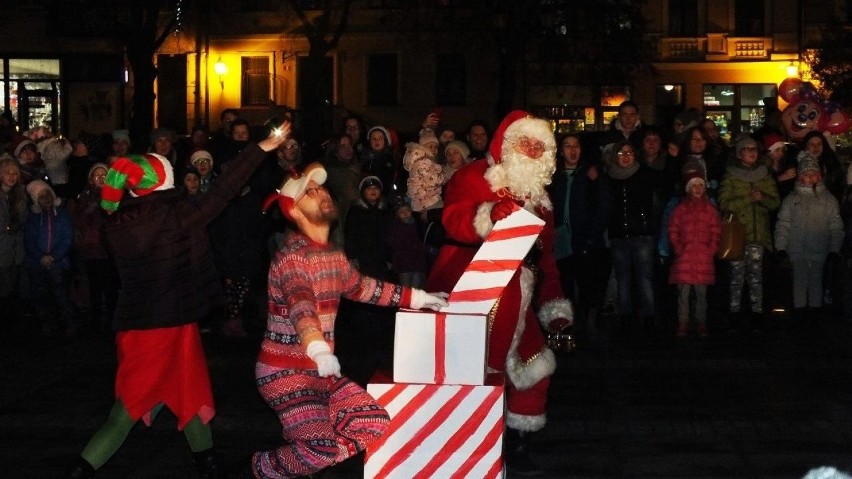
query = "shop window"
x=31 y=91
x=382 y=76
x=450 y=80
x=611 y=97
x=737 y=109
x=256 y=85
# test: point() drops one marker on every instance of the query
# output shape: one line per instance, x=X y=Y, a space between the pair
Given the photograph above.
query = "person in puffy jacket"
x=748 y=190
x=694 y=230
x=810 y=233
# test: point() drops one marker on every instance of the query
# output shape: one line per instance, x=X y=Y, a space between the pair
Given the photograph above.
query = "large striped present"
x=449 y=347
x=439 y=431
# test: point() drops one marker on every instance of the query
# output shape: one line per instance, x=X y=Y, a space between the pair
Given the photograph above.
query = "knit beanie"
x=745 y=142
x=691 y=177
x=140 y=174
x=458 y=145
x=808 y=163
x=35 y=188
x=20 y=142
x=200 y=155
x=427 y=136
x=368 y=182
x=121 y=135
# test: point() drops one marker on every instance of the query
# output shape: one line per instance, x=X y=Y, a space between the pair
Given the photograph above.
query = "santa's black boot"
x=81 y=470
x=209 y=465
x=517 y=457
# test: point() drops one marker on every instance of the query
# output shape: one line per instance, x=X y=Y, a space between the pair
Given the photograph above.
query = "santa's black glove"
x=832 y=258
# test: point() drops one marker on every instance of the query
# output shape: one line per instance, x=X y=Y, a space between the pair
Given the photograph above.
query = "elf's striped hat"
x=139 y=174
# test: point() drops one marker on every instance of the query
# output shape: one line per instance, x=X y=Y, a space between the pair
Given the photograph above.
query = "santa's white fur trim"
x=482 y=223
x=556 y=308
x=531 y=179
x=525 y=374
x=525 y=423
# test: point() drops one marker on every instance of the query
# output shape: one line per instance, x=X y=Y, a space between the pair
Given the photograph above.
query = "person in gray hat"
x=748 y=190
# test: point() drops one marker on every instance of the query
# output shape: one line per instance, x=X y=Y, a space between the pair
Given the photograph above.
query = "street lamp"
x=221 y=69
x=792 y=70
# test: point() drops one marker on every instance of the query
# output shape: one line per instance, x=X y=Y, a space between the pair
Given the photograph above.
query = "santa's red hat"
x=519 y=123
x=140 y=174
x=294 y=188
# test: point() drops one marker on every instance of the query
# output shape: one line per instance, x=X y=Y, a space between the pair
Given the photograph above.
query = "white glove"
x=327 y=363
x=421 y=299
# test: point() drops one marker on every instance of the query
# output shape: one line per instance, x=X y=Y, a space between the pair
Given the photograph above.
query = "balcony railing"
x=714 y=46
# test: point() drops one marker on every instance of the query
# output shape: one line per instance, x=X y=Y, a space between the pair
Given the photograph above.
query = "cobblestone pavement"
x=767 y=405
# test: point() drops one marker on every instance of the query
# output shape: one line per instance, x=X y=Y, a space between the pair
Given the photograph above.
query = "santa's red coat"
x=516 y=343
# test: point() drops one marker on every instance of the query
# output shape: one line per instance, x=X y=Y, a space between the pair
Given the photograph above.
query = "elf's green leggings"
x=112 y=434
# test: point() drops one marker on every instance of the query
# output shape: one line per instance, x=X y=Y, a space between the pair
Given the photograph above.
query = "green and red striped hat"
x=139 y=174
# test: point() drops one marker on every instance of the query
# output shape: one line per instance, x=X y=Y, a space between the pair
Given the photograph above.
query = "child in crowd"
x=425 y=178
x=748 y=190
x=694 y=230
x=91 y=252
x=409 y=252
x=455 y=156
x=48 y=238
x=378 y=160
x=192 y=182
x=810 y=231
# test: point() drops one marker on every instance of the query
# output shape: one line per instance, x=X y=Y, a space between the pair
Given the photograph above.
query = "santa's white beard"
x=525 y=177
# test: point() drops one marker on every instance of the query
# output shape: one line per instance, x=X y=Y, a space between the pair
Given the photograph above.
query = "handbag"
x=732 y=242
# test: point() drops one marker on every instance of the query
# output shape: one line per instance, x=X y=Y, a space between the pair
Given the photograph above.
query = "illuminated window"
x=742 y=107
x=256 y=85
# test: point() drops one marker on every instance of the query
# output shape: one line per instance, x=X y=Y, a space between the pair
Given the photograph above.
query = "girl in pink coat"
x=694 y=231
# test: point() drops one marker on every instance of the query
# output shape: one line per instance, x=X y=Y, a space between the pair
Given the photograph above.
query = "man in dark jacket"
x=159 y=241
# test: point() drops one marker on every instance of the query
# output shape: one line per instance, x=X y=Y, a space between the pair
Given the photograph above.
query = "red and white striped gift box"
x=449 y=347
x=439 y=431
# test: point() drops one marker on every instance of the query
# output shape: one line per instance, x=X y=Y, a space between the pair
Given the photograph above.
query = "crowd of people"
x=634 y=218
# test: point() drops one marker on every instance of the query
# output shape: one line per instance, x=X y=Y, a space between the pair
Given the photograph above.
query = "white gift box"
x=439 y=431
x=449 y=347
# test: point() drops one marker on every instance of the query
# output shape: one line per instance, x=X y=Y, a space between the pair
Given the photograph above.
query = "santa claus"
x=519 y=164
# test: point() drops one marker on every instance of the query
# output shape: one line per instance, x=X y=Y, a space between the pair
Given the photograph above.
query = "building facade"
x=394 y=63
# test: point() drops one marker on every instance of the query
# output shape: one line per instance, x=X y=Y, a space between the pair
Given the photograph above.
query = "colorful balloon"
x=808 y=111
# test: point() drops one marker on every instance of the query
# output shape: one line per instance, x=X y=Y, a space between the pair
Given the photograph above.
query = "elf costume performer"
x=325 y=417
x=519 y=164
x=158 y=239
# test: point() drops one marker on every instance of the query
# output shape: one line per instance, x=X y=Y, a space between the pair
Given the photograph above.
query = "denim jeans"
x=629 y=256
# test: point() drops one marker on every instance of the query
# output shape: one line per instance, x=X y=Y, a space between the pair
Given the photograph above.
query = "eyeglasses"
x=529 y=145
x=314 y=192
x=626 y=153
x=291 y=147
x=352 y=127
